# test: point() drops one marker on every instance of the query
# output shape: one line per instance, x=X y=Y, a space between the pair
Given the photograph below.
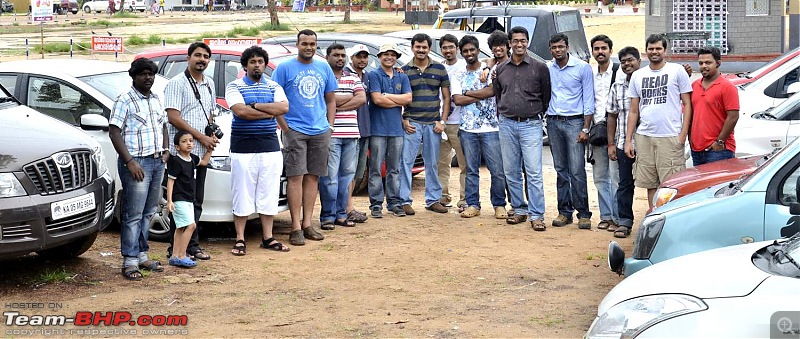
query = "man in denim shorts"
x=309 y=85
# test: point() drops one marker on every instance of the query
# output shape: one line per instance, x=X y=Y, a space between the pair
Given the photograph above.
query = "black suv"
x=6 y=7
x=55 y=190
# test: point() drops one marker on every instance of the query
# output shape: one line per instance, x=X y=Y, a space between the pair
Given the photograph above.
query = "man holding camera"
x=189 y=100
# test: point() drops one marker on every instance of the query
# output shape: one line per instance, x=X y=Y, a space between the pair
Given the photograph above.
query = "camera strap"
x=197 y=94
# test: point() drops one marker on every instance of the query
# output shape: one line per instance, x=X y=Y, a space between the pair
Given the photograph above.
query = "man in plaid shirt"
x=618 y=106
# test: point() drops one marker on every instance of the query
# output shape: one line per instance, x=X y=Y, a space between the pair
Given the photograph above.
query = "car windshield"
x=786 y=110
x=745 y=178
x=110 y=84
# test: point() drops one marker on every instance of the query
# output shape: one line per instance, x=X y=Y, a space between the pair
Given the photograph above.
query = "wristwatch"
x=585 y=130
x=720 y=142
x=253 y=105
x=464 y=92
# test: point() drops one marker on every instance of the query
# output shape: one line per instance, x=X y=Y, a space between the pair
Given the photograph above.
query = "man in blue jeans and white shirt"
x=568 y=119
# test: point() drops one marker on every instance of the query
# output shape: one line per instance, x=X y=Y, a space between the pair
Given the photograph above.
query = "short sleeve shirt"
x=141 y=121
x=387 y=122
x=179 y=95
x=480 y=116
x=709 y=110
x=253 y=136
x=659 y=92
x=305 y=86
x=346 y=122
x=183 y=172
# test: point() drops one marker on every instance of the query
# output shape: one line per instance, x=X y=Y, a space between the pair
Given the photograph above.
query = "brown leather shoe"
x=311 y=233
x=409 y=210
x=561 y=221
x=436 y=207
x=585 y=223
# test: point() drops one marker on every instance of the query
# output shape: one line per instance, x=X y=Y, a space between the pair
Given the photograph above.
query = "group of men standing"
x=331 y=114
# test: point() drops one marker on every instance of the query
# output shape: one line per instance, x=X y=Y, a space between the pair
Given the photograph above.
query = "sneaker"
x=376 y=213
x=584 y=223
x=500 y=212
x=436 y=207
x=561 y=221
x=470 y=212
x=398 y=211
x=446 y=201
x=409 y=210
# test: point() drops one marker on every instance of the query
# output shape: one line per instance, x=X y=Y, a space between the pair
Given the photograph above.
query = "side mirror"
x=794 y=208
x=793 y=88
x=616 y=258
x=94 y=122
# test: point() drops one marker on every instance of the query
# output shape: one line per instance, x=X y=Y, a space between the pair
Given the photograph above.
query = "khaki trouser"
x=452 y=142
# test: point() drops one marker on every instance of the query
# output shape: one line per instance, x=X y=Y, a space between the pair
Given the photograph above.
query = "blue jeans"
x=475 y=146
x=334 y=188
x=704 y=157
x=140 y=201
x=430 y=141
x=625 y=190
x=521 y=144
x=361 y=165
x=380 y=149
x=606 y=179
x=568 y=160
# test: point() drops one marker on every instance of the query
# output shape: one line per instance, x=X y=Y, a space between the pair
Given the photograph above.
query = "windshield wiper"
x=735 y=185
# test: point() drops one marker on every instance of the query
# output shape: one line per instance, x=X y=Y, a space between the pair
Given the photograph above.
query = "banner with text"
x=42 y=10
x=232 y=41
x=106 y=44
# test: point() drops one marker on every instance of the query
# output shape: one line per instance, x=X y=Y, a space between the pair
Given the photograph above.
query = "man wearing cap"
x=359 y=59
x=334 y=188
x=389 y=91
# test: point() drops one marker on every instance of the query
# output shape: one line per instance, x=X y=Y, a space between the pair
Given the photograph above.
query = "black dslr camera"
x=213 y=129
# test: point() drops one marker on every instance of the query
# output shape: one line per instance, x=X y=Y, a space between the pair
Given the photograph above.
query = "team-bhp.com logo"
x=48 y=324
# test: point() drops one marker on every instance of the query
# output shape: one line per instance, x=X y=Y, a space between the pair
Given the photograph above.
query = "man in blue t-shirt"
x=389 y=91
x=256 y=159
x=309 y=85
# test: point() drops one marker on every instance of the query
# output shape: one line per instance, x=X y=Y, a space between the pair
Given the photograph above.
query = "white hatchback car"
x=744 y=291
x=771 y=89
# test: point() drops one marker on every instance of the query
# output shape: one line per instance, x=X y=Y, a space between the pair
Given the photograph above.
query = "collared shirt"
x=573 y=88
x=710 y=108
x=602 y=87
x=345 y=123
x=455 y=111
x=387 y=122
x=620 y=104
x=481 y=116
x=522 y=91
x=253 y=136
x=364 y=128
x=179 y=95
x=141 y=120
x=425 y=88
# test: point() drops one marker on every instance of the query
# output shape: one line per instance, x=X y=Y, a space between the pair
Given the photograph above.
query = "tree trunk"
x=273 y=14
x=375 y=3
x=347 y=11
x=122 y=5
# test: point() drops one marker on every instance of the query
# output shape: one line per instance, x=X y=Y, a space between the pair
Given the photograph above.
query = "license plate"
x=65 y=208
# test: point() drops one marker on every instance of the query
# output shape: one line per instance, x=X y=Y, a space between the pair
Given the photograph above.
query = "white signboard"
x=42 y=10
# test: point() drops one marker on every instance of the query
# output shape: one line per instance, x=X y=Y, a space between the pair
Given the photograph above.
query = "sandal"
x=612 y=227
x=538 y=225
x=327 y=226
x=311 y=234
x=186 y=262
x=274 y=245
x=344 y=222
x=622 y=232
x=603 y=225
x=240 y=248
x=296 y=238
x=516 y=219
x=132 y=273
x=356 y=216
x=201 y=255
x=152 y=266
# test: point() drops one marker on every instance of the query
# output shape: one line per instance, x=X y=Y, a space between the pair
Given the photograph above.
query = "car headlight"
x=646 y=240
x=631 y=317
x=220 y=163
x=10 y=186
x=664 y=195
x=100 y=160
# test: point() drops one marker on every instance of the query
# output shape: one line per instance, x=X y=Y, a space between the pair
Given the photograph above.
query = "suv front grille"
x=16 y=232
x=70 y=223
x=50 y=178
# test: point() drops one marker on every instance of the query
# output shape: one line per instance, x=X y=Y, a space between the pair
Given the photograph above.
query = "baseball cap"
x=358 y=49
x=388 y=47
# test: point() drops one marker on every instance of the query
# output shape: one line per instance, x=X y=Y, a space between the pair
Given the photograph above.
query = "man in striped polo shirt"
x=423 y=123
x=256 y=158
x=334 y=188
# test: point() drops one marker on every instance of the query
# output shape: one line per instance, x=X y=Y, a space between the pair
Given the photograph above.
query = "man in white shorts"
x=256 y=159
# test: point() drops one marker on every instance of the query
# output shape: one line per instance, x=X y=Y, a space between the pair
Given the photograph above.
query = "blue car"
x=753 y=208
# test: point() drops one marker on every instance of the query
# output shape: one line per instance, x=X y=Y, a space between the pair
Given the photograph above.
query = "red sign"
x=106 y=44
x=232 y=41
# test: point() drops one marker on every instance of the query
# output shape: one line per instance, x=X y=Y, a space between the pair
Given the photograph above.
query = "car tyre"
x=159 y=228
x=87 y=10
x=70 y=250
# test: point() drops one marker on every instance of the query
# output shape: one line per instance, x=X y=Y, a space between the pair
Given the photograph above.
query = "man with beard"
x=334 y=188
x=715 y=105
x=359 y=59
x=522 y=90
x=656 y=121
x=424 y=123
x=190 y=99
x=138 y=131
x=568 y=119
x=618 y=106
x=256 y=159
x=604 y=172
x=309 y=85
x=479 y=130
x=450 y=141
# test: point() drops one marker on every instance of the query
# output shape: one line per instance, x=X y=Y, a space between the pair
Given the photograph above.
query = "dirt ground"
x=428 y=275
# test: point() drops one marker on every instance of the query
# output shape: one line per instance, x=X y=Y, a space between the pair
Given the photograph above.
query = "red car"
x=743 y=78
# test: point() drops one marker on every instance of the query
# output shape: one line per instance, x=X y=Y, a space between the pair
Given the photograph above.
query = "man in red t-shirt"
x=715 y=105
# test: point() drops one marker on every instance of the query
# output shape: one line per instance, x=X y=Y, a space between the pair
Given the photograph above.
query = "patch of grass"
x=125 y=15
x=595 y=256
x=327 y=247
x=546 y=321
x=53 y=277
x=207 y=35
x=135 y=40
x=267 y=26
x=15 y=24
x=183 y=40
x=326 y=30
x=154 y=39
x=61 y=47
